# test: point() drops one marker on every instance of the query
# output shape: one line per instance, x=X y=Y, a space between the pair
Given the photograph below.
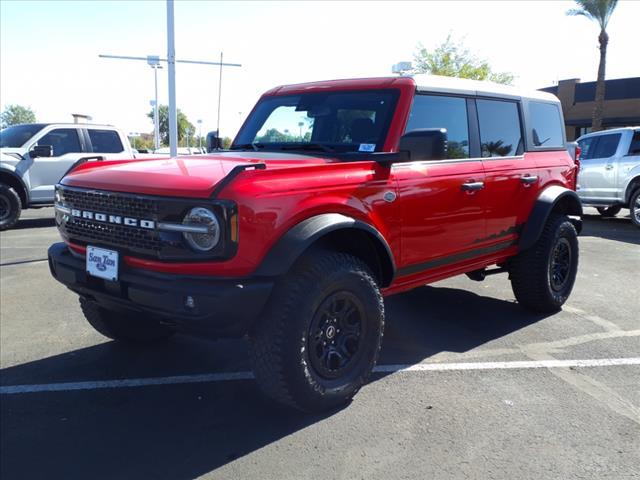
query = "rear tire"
x=634 y=208
x=320 y=337
x=543 y=276
x=10 y=207
x=608 y=212
x=122 y=326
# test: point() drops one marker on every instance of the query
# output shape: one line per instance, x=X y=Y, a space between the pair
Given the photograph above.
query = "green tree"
x=16 y=114
x=452 y=59
x=598 y=11
x=163 y=118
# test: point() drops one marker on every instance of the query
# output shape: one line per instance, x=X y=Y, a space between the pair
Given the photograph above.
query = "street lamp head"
x=154 y=61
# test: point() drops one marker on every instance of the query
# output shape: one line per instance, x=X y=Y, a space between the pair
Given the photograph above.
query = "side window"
x=634 y=148
x=500 y=132
x=435 y=111
x=63 y=140
x=546 y=128
x=607 y=146
x=105 y=141
x=588 y=147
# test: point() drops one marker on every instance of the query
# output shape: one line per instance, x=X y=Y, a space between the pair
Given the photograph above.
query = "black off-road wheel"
x=608 y=212
x=542 y=277
x=320 y=337
x=634 y=208
x=10 y=207
x=122 y=326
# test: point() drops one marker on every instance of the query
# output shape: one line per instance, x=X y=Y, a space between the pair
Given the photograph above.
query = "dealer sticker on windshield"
x=102 y=263
x=367 y=147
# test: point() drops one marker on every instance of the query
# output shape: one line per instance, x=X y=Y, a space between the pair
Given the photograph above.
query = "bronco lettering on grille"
x=116 y=219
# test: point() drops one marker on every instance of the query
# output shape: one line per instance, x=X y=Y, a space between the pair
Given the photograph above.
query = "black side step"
x=480 y=275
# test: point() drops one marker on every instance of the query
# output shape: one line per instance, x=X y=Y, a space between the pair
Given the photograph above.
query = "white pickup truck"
x=609 y=177
x=35 y=156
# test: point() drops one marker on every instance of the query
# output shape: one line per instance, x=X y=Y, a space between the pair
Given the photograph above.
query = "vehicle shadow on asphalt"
x=617 y=228
x=34 y=223
x=183 y=431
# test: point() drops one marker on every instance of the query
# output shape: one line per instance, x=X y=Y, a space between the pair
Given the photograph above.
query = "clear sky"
x=49 y=50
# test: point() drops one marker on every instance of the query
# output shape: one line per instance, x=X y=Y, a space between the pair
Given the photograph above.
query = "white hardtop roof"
x=440 y=84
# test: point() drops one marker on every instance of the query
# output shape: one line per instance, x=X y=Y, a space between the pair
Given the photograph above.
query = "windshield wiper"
x=308 y=146
x=246 y=146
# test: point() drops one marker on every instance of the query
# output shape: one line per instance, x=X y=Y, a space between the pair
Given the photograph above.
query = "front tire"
x=122 y=326
x=10 y=207
x=320 y=337
x=634 y=208
x=608 y=212
x=543 y=276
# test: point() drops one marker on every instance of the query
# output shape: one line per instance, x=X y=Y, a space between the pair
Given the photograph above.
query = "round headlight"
x=208 y=237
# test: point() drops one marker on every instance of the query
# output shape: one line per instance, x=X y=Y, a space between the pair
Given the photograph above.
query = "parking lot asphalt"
x=464 y=409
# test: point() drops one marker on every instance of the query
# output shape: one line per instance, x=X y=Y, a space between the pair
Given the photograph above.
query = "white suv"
x=609 y=177
x=35 y=156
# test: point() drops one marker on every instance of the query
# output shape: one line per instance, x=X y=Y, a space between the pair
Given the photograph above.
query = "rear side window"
x=500 y=131
x=634 y=148
x=435 y=111
x=546 y=126
x=105 y=141
x=63 y=141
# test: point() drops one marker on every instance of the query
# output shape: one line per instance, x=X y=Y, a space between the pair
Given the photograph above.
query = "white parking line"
x=223 y=377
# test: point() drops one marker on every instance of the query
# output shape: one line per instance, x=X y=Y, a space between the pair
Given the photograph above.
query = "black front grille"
x=142 y=241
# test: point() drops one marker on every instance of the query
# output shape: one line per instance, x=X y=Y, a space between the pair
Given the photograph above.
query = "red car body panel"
x=432 y=217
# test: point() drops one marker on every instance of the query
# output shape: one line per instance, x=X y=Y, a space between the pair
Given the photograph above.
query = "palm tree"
x=599 y=11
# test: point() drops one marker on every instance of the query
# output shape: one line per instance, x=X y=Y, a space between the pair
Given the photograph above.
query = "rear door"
x=598 y=173
x=513 y=176
x=441 y=217
x=45 y=172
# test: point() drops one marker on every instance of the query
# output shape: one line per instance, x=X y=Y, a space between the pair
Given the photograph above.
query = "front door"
x=442 y=202
x=45 y=172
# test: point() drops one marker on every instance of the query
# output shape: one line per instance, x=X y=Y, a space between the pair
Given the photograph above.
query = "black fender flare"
x=19 y=181
x=300 y=237
x=553 y=198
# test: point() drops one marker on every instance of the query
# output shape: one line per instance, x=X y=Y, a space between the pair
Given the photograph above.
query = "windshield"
x=327 y=121
x=17 y=135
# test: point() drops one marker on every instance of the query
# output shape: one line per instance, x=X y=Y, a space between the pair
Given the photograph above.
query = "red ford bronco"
x=333 y=195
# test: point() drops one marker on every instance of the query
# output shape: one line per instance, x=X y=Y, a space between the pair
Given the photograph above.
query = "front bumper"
x=221 y=308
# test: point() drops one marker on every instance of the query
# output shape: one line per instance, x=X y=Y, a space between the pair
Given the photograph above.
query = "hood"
x=188 y=176
x=12 y=155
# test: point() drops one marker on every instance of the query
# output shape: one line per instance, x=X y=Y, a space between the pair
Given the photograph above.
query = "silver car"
x=609 y=177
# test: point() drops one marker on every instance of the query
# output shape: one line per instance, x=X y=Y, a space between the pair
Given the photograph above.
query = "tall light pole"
x=200 y=135
x=154 y=62
x=171 y=61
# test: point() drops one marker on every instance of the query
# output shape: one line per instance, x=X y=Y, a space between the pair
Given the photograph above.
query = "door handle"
x=609 y=166
x=529 y=179
x=472 y=186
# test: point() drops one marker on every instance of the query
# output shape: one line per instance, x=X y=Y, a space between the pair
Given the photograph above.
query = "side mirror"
x=213 y=142
x=425 y=144
x=41 y=151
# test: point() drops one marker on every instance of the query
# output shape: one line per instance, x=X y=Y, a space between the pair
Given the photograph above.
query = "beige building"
x=621 y=104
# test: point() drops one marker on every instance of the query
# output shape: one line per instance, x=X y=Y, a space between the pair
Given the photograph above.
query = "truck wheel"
x=634 y=207
x=607 y=212
x=123 y=327
x=10 y=207
x=321 y=335
x=542 y=277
